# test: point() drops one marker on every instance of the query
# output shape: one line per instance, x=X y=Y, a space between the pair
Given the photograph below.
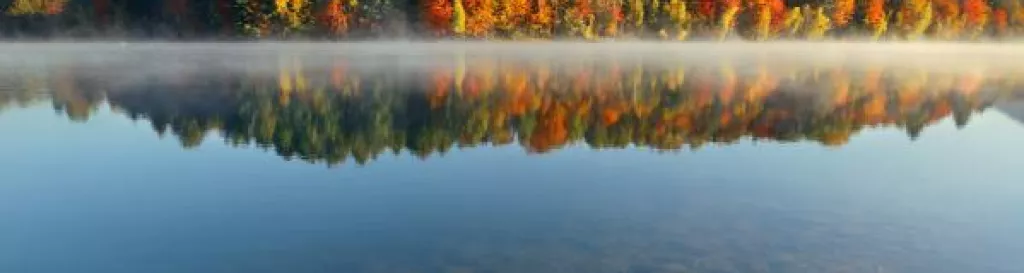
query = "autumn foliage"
x=842 y=12
x=437 y=15
x=334 y=18
x=757 y=20
x=36 y=7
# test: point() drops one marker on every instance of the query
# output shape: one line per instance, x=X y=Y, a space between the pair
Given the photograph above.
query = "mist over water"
x=127 y=62
x=932 y=56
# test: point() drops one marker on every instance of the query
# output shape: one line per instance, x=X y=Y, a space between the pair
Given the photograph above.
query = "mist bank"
x=158 y=58
x=674 y=20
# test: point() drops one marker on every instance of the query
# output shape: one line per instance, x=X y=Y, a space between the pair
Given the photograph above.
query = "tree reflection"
x=342 y=112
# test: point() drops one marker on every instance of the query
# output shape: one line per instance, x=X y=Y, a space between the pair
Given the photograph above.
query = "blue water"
x=107 y=193
x=111 y=196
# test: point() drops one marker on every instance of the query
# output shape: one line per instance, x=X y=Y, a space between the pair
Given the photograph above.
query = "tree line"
x=757 y=20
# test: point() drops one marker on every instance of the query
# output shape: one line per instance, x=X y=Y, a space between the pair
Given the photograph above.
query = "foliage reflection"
x=346 y=111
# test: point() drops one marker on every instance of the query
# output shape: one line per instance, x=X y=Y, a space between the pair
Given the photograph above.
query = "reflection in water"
x=104 y=196
x=339 y=107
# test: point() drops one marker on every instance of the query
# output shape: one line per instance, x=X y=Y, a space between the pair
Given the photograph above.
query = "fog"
x=133 y=63
x=934 y=56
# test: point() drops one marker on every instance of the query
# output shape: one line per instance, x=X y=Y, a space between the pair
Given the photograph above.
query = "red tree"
x=438 y=15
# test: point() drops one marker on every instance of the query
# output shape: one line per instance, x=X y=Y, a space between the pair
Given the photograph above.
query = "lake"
x=520 y=157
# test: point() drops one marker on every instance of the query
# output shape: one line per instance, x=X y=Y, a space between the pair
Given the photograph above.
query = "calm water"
x=448 y=158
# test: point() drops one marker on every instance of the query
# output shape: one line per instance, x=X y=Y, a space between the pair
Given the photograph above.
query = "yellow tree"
x=914 y=17
x=730 y=9
x=637 y=13
x=542 y=19
x=680 y=17
x=32 y=7
x=1017 y=17
x=458 y=18
x=795 y=20
x=480 y=20
x=819 y=24
x=511 y=15
x=293 y=13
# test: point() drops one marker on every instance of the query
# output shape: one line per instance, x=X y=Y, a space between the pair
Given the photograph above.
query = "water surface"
x=462 y=158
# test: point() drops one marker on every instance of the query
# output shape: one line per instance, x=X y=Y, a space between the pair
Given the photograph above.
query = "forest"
x=593 y=20
x=340 y=112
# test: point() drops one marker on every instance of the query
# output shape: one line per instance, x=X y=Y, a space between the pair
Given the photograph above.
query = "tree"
x=842 y=12
x=254 y=17
x=949 y=21
x=1000 y=22
x=876 y=18
x=542 y=20
x=680 y=17
x=293 y=13
x=512 y=14
x=819 y=24
x=334 y=18
x=36 y=7
x=794 y=21
x=458 y=24
x=481 y=18
x=914 y=17
x=608 y=17
x=977 y=17
x=438 y=16
x=762 y=20
x=730 y=9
